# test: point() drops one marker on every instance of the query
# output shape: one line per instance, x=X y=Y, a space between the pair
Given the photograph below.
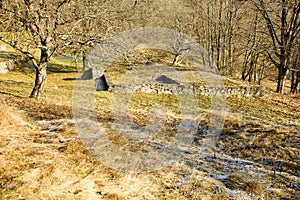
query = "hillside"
x=42 y=157
x=183 y=116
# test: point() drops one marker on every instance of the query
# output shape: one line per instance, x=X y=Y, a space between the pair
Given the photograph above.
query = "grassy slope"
x=259 y=148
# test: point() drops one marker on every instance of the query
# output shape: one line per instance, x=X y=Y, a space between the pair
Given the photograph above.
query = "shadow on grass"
x=185 y=69
x=56 y=68
x=37 y=109
x=71 y=79
x=10 y=87
x=297 y=96
x=12 y=82
x=10 y=94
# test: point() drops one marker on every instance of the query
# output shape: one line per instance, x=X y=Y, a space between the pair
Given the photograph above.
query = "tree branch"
x=275 y=40
x=27 y=53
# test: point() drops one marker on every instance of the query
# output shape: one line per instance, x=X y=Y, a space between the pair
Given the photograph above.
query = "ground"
x=41 y=157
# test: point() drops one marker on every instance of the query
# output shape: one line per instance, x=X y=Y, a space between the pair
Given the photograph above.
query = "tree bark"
x=40 y=81
x=295 y=81
x=282 y=72
x=176 y=60
x=85 y=62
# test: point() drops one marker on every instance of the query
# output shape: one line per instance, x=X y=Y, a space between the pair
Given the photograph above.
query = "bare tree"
x=215 y=24
x=110 y=17
x=283 y=26
x=40 y=28
x=295 y=76
x=252 y=51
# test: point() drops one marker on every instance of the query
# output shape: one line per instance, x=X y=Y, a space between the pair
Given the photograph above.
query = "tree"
x=295 y=76
x=40 y=28
x=283 y=26
x=108 y=17
x=254 y=62
x=215 y=24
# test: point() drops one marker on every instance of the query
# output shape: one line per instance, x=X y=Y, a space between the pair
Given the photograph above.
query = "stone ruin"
x=166 y=85
x=96 y=74
x=244 y=91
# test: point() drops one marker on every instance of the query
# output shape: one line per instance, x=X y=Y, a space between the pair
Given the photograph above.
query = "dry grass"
x=257 y=155
x=37 y=164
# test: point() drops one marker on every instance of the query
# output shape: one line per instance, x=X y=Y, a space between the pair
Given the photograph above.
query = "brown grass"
x=33 y=165
x=257 y=153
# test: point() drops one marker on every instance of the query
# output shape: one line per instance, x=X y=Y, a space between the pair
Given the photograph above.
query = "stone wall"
x=245 y=91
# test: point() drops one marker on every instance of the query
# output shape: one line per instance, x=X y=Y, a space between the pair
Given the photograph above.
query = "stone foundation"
x=244 y=91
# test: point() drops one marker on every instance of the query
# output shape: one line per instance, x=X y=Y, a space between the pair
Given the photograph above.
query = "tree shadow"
x=12 y=81
x=56 y=68
x=9 y=87
x=184 y=69
x=71 y=79
x=297 y=96
x=10 y=94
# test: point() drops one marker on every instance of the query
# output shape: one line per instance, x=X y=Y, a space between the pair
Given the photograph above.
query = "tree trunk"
x=295 y=81
x=176 y=60
x=85 y=62
x=279 y=81
x=40 y=81
x=292 y=82
x=282 y=72
x=245 y=65
x=261 y=72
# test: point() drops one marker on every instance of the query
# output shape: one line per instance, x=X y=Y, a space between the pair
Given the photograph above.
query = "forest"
x=251 y=40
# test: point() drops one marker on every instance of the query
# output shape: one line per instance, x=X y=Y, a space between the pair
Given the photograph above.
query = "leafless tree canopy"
x=40 y=28
x=251 y=39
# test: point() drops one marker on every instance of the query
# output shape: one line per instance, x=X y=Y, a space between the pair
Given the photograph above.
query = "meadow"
x=41 y=157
